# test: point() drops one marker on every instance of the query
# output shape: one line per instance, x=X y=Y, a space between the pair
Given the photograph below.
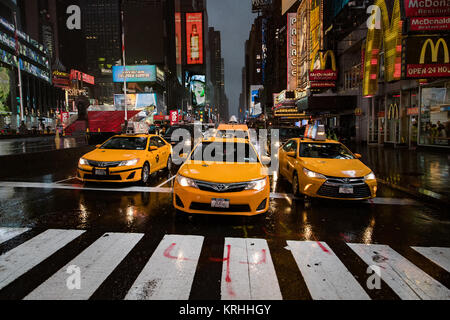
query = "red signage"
x=78 y=75
x=426 y=8
x=412 y=111
x=323 y=84
x=158 y=118
x=178 y=37
x=428 y=70
x=429 y=24
x=173 y=117
x=322 y=75
x=194 y=38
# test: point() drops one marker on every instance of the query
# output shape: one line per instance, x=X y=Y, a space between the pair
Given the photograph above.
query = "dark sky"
x=233 y=18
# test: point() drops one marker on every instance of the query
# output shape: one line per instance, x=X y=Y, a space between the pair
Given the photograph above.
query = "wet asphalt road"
x=392 y=219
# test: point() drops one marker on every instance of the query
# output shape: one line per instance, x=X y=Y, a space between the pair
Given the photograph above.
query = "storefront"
x=434 y=122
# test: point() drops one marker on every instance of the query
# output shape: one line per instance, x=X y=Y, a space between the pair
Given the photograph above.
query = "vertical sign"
x=292 y=52
x=178 y=45
x=194 y=38
x=315 y=32
x=173 y=117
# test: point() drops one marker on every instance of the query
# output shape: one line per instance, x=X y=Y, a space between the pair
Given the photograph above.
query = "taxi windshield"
x=325 y=151
x=228 y=134
x=230 y=152
x=125 y=143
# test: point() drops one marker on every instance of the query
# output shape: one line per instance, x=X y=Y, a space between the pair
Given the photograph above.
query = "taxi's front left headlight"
x=129 y=163
x=257 y=185
x=370 y=176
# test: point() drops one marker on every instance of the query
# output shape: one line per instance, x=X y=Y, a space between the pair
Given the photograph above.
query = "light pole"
x=124 y=67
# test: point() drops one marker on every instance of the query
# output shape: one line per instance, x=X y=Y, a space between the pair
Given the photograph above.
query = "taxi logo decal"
x=220 y=187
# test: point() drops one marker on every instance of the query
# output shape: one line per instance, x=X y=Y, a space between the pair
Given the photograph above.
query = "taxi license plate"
x=346 y=189
x=220 y=203
x=100 y=172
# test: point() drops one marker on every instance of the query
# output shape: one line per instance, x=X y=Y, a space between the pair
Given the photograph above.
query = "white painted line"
x=9 y=233
x=23 y=258
x=71 y=178
x=440 y=256
x=169 y=273
x=404 y=278
x=248 y=272
x=93 y=266
x=395 y=201
x=166 y=181
x=325 y=275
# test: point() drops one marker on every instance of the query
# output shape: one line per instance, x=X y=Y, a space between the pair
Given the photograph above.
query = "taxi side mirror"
x=98 y=146
x=358 y=156
x=153 y=148
x=292 y=154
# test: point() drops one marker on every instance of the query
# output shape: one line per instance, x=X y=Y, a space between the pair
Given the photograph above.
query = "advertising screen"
x=138 y=101
x=198 y=90
x=139 y=73
x=78 y=75
x=194 y=38
x=5 y=89
x=426 y=8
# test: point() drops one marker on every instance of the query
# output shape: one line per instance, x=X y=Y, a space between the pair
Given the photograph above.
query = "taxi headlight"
x=83 y=162
x=312 y=174
x=370 y=176
x=257 y=185
x=186 y=182
x=128 y=163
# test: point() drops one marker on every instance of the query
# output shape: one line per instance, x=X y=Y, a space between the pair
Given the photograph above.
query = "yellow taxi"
x=325 y=169
x=126 y=158
x=222 y=176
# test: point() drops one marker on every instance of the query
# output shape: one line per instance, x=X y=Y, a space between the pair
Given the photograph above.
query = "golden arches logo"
x=323 y=58
x=434 y=50
x=393 y=112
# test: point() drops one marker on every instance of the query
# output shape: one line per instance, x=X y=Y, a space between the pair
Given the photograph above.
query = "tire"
x=169 y=165
x=145 y=175
x=295 y=185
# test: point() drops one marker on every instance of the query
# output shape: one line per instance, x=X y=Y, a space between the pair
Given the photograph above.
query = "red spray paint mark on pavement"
x=263 y=259
x=323 y=247
x=169 y=250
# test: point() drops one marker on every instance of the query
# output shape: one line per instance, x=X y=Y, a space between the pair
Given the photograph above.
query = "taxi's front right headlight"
x=186 y=182
x=83 y=162
x=312 y=174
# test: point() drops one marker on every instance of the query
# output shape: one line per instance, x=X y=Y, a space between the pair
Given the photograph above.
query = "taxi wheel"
x=145 y=173
x=169 y=164
x=295 y=185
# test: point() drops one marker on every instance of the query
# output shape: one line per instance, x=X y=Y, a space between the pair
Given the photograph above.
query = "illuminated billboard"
x=303 y=45
x=198 y=90
x=78 y=75
x=178 y=45
x=194 y=38
x=292 y=51
x=139 y=73
x=315 y=25
x=138 y=101
x=5 y=90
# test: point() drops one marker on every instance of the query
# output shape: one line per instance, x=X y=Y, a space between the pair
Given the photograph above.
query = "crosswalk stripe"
x=440 y=256
x=9 y=233
x=325 y=275
x=404 y=278
x=92 y=267
x=248 y=272
x=170 y=271
x=23 y=258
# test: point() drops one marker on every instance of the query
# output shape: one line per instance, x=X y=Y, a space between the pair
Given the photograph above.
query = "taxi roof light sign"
x=320 y=134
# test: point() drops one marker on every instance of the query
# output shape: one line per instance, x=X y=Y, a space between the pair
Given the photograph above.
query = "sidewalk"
x=17 y=145
x=422 y=172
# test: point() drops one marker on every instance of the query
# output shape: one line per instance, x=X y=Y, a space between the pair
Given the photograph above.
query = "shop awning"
x=331 y=103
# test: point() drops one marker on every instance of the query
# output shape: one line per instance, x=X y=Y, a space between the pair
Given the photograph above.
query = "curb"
x=421 y=194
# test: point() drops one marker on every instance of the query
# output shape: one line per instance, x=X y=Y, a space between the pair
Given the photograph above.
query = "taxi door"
x=291 y=162
x=164 y=152
x=154 y=155
x=282 y=157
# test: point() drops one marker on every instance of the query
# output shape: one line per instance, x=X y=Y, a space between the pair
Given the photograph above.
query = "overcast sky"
x=233 y=18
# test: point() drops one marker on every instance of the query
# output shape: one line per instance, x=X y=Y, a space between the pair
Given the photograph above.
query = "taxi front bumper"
x=243 y=203
x=116 y=175
x=319 y=188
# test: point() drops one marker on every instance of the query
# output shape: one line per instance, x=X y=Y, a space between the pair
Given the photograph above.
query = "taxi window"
x=125 y=143
x=290 y=146
x=325 y=151
x=160 y=142
x=153 y=142
x=225 y=152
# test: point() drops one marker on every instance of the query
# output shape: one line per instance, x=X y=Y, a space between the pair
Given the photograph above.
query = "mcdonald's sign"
x=426 y=57
x=393 y=112
x=387 y=37
x=324 y=77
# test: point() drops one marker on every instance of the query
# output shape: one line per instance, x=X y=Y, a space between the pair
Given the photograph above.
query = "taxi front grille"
x=102 y=178
x=221 y=187
x=359 y=192
x=207 y=207
x=103 y=164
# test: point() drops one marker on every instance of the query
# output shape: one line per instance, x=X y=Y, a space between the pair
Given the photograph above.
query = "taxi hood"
x=112 y=155
x=352 y=168
x=223 y=172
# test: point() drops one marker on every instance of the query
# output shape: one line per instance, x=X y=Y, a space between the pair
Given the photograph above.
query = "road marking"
x=23 y=258
x=158 y=189
x=248 y=272
x=170 y=271
x=166 y=181
x=440 y=256
x=9 y=233
x=325 y=275
x=95 y=264
x=404 y=278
